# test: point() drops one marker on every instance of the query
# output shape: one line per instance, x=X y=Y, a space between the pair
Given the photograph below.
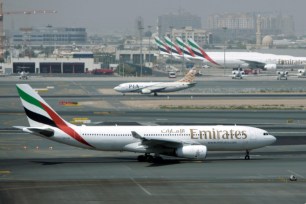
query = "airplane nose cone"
x=117 y=88
x=271 y=139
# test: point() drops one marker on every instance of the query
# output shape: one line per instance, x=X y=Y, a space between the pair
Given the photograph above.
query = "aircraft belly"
x=171 y=89
x=223 y=145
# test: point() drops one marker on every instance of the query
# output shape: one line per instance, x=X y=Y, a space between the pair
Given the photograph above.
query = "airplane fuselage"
x=141 y=87
x=235 y=59
x=120 y=138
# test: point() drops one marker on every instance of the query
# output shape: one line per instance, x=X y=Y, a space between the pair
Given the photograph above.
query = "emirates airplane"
x=191 y=142
x=246 y=59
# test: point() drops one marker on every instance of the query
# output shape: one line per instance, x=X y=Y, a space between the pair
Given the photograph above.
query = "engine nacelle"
x=192 y=152
x=301 y=71
x=270 y=66
x=146 y=91
x=282 y=73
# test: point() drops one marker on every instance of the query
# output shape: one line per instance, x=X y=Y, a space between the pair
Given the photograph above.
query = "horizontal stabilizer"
x=48 y=132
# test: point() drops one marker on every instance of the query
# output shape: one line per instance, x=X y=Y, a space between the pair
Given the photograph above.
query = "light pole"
x=224 y=29
x=150 y=34
x=171 y=36
x=140 y=28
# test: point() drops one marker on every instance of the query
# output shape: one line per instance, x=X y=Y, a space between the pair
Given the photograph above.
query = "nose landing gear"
x=247 y=156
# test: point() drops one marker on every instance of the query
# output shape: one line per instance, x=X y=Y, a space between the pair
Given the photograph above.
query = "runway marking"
x=141 y=187
x=5 y=172
x=161 y=119
x=299 y=175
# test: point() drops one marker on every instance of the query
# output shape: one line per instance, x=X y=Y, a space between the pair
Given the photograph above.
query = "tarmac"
x=36 y=170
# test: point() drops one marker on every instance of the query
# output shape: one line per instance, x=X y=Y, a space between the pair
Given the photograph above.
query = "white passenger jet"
x=155 y=87
x=282 y=75
x=23 y=74
x=237 y=74
x=246 y=59
x=191 y=142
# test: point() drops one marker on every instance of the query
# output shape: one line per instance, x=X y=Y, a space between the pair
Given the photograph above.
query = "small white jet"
x=23 y=74
x=156 y=87
x=237 y=74
x=282 y=75
x=185 y=141
x=301 y=73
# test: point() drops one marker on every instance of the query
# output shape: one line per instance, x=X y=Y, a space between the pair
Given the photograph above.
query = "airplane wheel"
x=247 y=156
x=141 y=158
x=150 y=159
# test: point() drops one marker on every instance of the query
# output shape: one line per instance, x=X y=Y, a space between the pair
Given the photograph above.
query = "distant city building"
x=177 y=21
x=49 y=35
x=244 y=25
x=200 y=36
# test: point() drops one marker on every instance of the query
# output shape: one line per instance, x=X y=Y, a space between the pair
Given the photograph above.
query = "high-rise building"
x=244 y=25
x=177 y=21
x=200 y=36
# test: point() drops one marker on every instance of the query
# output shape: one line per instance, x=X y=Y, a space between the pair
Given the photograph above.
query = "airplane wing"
x=161 y=142
x=254 y=64
x=154 y=88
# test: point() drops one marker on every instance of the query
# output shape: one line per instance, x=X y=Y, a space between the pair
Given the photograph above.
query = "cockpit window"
x=265 y=133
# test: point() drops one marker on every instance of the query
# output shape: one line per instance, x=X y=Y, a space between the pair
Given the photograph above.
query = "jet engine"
x=270 y=66
x=282 y=72
x=192 y=152
x=146 y=91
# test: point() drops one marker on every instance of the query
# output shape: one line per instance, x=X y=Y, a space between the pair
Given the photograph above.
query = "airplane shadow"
x=213 y=158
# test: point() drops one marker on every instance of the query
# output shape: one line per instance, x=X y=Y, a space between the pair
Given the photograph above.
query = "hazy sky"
x=102 y=16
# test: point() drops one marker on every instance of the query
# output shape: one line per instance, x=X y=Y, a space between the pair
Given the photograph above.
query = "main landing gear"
x=247 y=156
x=149 y=158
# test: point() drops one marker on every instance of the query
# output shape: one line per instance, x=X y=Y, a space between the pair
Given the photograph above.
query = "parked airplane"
x=166 y=50
x=282 y=75
x=23 y=74
x=246 y=59
x=301 y=73
x=156 y=87
x=186 y=53
x=191 y=142
x=237 y=74
x=171 y=49
x=199 y=52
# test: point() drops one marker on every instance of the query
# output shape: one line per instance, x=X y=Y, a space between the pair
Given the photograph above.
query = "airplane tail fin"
x=199 y=51
x=162 y=46
x=190 y=76
x=185 y=48
x=174 y=48
x=39 y=113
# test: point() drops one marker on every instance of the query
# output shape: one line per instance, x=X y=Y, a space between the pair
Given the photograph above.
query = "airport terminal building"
x=75 y=63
